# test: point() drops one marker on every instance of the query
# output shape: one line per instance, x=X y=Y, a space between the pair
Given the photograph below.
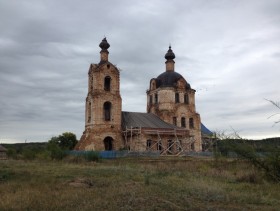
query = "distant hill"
x=36 y=146
x=40 y=146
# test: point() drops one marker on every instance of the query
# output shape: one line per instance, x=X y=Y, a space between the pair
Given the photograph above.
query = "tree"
x=277 y=105
x=267 y=160
x=66 y=141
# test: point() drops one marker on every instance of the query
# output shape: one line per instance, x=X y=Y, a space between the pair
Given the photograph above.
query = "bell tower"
x=103 y=105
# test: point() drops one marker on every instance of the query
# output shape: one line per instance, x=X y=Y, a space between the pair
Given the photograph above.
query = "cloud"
x=226 y=50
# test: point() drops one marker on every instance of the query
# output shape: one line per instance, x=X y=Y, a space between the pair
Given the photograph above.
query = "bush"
x=5 y=174
x=55 y=152
x=12 y=153
x=28 y=154
x=268 y=160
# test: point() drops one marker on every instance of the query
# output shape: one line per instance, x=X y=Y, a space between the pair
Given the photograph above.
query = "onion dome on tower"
x=169 y=55
x=169 y=78
x=104 y=45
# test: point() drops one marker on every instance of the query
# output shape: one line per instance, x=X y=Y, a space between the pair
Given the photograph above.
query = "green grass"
x=135 y=184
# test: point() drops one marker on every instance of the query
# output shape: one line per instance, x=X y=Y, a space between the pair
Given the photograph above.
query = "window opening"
x=156 y=98
x=183 y=122
x=107 y=83
x=186 y=99
x=191 y=123
x=177 y=100
x=107 y=111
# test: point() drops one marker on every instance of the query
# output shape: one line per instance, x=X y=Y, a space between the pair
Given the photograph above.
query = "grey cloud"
x=225 y=49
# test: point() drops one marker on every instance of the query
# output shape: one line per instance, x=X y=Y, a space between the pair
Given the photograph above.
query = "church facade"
x=171 y=124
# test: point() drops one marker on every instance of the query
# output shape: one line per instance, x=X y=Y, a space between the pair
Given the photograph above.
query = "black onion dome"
x=104 y=45
x=169 y=55
x=168 y=79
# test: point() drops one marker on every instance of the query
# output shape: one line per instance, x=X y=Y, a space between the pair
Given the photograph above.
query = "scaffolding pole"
x=181 y=145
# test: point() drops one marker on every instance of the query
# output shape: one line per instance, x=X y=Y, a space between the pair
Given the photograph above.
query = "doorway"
x=108 y=143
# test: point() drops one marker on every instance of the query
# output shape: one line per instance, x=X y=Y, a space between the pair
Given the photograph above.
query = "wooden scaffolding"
x=180 y=142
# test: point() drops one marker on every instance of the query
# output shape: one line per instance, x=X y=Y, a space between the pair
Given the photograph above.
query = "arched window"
x=179 y=146
x=191 y=123
x=183 y=122
x=89 y=112
x=186 y=99
x=170 y=146
x=159 y=146
x=156 y=98
x=149 y=144
x=107 y=83
x=151 y=99
x=192 y=146
x=107 y=111
x=177 y=99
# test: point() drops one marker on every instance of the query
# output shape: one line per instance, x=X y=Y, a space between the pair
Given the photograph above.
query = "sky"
x=228 y=50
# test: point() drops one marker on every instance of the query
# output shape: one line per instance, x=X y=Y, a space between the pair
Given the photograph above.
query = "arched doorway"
x=108 y=143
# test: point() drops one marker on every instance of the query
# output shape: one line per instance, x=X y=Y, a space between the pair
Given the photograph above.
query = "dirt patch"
x=81 y=183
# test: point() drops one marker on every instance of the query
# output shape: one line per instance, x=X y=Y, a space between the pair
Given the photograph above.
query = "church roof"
x=205 y=130
x=168 y=79
x=149 y=120
x=144 y=120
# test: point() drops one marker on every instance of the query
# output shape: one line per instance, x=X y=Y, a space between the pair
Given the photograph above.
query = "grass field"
x=135 y=184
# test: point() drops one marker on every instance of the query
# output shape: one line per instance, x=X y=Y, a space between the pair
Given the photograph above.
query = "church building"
x=171 y=124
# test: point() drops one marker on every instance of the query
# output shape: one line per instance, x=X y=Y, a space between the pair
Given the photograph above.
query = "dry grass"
x=135 y=184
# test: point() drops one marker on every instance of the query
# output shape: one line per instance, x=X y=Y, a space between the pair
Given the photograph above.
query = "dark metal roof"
x=144 y=120
x=205 y=130
x=168 y=78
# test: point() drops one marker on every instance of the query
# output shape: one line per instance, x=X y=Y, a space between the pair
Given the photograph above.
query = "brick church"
x=171 y=124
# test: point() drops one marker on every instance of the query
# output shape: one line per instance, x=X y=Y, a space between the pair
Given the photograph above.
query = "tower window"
x=177 y=99
x=151 y=99
x=191 y=123
x=107 y=83
x=107 y=111
x=89 y=112
x=186 y=99
x=156 y=98
x=183 y=122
